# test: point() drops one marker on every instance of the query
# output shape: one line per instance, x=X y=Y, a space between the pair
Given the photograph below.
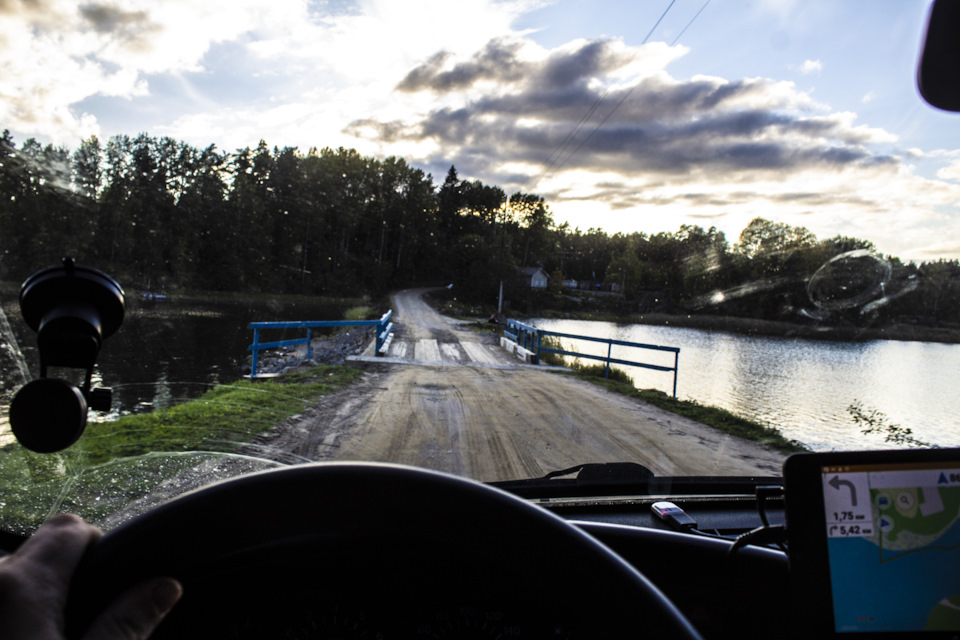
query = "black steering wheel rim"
x=385 y=510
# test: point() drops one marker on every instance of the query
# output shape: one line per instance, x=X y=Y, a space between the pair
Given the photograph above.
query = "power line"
x=552 y=165
x=684 y=30
x=593 y=108
x=662 y=16
x=559 y=151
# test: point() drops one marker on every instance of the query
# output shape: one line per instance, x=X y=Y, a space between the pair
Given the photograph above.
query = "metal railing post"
x=676 y=369
x=381 y=338
x=383 y=327
x=256 y=350
x=536 y=336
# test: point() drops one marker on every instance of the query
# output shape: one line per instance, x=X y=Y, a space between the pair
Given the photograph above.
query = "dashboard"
x=378 y=551
x=399 y=592
x=373 y=551
x=366 y=550
x=746 y=594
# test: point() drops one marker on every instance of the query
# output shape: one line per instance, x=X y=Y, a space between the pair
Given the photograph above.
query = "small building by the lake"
x=536 y=276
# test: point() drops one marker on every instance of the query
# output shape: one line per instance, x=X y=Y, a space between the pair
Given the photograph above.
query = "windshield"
x=696 y=236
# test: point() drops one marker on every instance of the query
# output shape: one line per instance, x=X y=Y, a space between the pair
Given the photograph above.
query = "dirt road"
x=448 y=398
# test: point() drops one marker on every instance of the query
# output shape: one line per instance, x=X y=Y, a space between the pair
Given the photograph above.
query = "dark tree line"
x=162 y=215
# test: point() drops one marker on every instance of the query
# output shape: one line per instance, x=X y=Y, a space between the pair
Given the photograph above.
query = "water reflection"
x=801 y=386
x=165 y=352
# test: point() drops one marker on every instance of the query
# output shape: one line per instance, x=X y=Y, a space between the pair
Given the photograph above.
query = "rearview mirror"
x=938 y=74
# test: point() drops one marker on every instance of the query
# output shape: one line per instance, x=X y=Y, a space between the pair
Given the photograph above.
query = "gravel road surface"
x=450 y=399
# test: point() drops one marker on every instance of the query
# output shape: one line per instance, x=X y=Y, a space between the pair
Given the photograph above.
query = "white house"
x=538 y=277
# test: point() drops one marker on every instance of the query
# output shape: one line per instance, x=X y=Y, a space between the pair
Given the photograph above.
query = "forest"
x=164 y=216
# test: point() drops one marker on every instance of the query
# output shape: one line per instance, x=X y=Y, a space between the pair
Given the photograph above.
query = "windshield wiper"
x=597 y=479
x=605 y=472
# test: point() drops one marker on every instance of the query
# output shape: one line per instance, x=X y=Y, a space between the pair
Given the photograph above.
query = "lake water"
x=802 y=387
x=165 y=352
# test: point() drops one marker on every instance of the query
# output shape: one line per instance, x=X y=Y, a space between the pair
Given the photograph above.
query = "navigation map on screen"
x=893 y=539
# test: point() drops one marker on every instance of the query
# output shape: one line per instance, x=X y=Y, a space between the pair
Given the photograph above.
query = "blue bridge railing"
x=529 y=337
x=383 y=329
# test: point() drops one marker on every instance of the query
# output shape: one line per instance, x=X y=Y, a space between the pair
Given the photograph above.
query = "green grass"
x=719 y=419
x=224 y=419
x=553 y=359
x=599 y=371
x=225 y=415
x=360 y=312
x=586 y=368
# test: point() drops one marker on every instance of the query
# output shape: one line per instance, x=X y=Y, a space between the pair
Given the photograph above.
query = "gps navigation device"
x=874 y=542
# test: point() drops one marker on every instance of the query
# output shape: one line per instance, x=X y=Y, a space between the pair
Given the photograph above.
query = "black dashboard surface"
x=386 y=550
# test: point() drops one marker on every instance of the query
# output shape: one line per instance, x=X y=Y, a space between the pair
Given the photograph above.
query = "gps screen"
x=893 y=540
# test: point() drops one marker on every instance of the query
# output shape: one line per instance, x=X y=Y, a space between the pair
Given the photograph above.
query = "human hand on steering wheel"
x=35 y=580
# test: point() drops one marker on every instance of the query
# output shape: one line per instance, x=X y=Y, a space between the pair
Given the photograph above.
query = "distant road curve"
x=500 y=422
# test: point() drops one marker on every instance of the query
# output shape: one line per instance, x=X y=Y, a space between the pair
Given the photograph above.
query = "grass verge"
x=595 y=370
x=715 y=417
x=224 y=419
x=619 y=381
x=361 y=312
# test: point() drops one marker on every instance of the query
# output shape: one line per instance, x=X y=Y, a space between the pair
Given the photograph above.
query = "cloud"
x=937 y=250
x=497 y=62
x=57 y=53
x=599 y=126
x=950 y=172
x=385 y=38
x=811 y=66
x=325 y=69
x=105 y=18
x=518 y=103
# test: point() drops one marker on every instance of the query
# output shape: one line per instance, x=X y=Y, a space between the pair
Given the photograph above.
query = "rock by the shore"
x=332 y=349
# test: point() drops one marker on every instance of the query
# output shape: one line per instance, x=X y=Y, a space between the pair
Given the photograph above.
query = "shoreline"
x=772 y=328
x=741 y=325
x=717 y=418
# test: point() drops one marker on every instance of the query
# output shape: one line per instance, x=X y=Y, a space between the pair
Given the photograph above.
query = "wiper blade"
x=627 y=478
x=604 y=472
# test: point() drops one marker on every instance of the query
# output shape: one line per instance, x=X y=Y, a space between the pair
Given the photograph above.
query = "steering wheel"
x=385 y=550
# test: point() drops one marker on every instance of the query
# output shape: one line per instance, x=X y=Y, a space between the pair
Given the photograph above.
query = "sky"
x=628 y=115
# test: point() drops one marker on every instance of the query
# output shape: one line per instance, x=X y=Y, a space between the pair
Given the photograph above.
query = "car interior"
x=370 y=550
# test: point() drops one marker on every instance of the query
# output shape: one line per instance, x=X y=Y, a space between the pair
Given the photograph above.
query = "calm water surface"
x=801 y=386
x=165 y=352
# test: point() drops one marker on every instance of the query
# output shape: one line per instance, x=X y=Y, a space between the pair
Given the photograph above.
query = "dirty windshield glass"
x=494 y=238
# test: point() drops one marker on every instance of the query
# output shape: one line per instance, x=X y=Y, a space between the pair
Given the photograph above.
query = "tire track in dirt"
x=498 y=424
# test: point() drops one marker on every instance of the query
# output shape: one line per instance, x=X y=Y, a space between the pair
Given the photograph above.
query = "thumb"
x=136 y=613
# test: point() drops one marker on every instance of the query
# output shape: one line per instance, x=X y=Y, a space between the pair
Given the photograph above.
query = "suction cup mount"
x=72 y=309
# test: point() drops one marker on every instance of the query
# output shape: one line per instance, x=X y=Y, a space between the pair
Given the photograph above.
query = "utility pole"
x=500 y=265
